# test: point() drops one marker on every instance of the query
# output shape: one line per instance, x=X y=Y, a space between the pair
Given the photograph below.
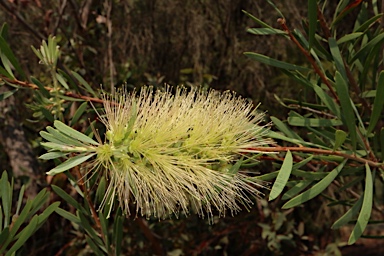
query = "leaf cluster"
x=337 y=130
x=17 y=227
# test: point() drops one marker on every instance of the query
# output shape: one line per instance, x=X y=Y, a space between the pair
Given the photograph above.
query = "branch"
x=351 y=79
x=91 y=206
x=321 y=152
x=310 y=59
x=35 y=87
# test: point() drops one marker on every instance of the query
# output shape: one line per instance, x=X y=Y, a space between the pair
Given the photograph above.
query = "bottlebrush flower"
x=170 y=152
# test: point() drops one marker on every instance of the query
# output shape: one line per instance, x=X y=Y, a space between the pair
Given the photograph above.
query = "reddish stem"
x=310 y=59
x=35 y=87
x=320 y=152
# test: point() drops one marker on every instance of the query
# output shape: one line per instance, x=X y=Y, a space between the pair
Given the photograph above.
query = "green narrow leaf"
x=4 y=234
x=265 y=31
x=309 y=175
x=52 y=155
x=38 y=202
x=340 y=137
x=7 y=65
x=321 y=51
x=285 y=129
x=101 y=189
x=5 y=73
x=73 y=133
x=282 y=177
x=296 y=189
x=315 y=47
x=37 y=53
x=278 y=136
x=313 y=122
x=268 y=176
x=341 y=12
x=6 y=198
x=51 y=138
x=60 y=192
x=79 y=112
x=63 y=138
x=276 y=9
x=349 y=37
x=327 y=100
x=47 y=114
x=1 y=218
x=11 y=57
x=68 y=98
x=24 y=236
x=312 y=19
x=371 y=66
x=7 y=94
x=378 y=104
x=90 y=230
x=368 y=47
x=235 y=168
x=93 y=246
x=273 y=62
x=48 y=211
x=4 y=30
x=62 y=81
x=322 y=94
x=347 y=217
x=382 y=142
x=367 y=24
x=57 y=146
x=41 y=87
x=69 y=79
x=118 y=234
x=366 y=208
x=20 y=200
x=104 y=228
x=84 y=83
x=316 y=189
x=351 y=183
x=302 y=163
x=336 y=55
x=70 y=163
x=67 y=215
x=258 y=21
x=19 y=221
x=346 y=106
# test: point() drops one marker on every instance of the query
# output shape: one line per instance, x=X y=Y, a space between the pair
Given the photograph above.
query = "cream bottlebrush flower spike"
x=170 y=152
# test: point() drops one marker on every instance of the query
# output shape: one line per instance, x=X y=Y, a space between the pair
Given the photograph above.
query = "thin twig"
x=323 y=23
x=367 y=146
x=321 y=152
x=310 y=59
x=91 y=207
x=35 y=87
x=325 y=80
x=351 y=79
x=322 y=113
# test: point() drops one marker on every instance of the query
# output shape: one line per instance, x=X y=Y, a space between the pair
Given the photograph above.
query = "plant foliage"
x=340 y=125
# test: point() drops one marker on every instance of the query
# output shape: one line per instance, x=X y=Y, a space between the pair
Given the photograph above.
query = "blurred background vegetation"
x=199 y=42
